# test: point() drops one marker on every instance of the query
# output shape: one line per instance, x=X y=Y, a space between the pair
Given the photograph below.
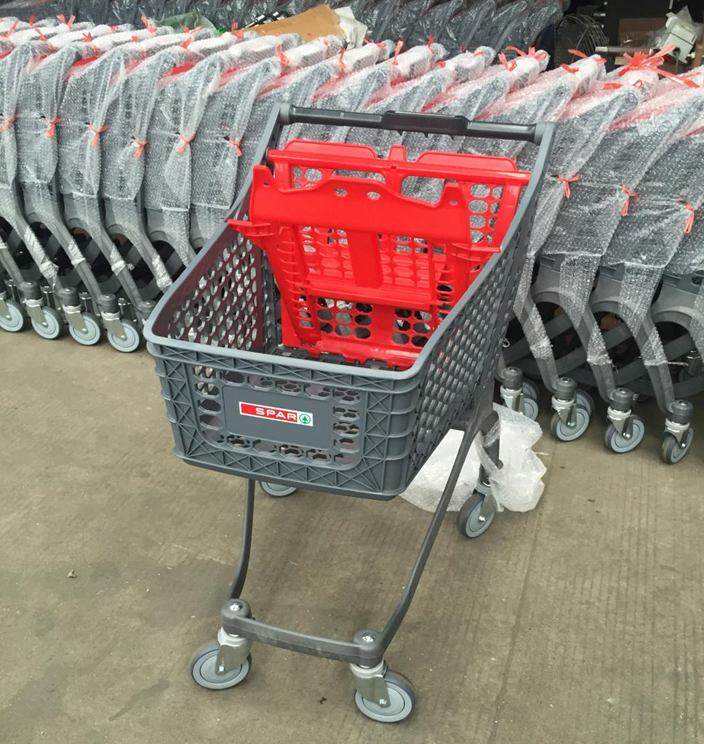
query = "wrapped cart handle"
x=458 y=126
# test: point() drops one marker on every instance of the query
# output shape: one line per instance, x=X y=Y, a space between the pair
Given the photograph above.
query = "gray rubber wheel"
x=586 y=401
x=402 y=700
x=483 y=488
x=276 y=490
x=53 y=325
x=672 y=451
x=131 y=341
x=530 y=389
x=566 y=433
x=531 y=409
x=93 y=333
x=16 y=320
x=469 y=519
x=204 y=674
x=620 y=444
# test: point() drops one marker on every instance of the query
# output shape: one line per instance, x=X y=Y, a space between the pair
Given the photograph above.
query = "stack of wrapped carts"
x=123 y=151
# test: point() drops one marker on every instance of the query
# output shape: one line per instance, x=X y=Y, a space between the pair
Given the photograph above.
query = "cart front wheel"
x=131 y=340
x=470 y=520
x=92 y=334
x=531 y=409
x=402 y=699
x=276 y=490
x=620 y=443
x=52 y=327
x=204 y=673
x=672 y=450
x=16 y=318
x=566 y=433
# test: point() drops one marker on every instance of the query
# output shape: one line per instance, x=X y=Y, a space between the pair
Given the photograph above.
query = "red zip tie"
x=509 y=66
x=399 y=46
x=539 y=55
x=342 y=58
x=567 y=180
x=571 y=70
x=612 y=86
x=430 y=41
x=185 y=141
x=441 y=63
x=41 y=35
x=151 y=28
x=579 y=53
x=10 y=31
x=184 y=29
x=140 y=148
x=87 y=37
x=239 y=34
x=282 y=57
x=51 y=129
x=114 y=28
x=629 y=195
x=135 y=38
x=32 y=19
x=9 y=121
x=237 y=147
x=186 y=42
x=233 y=28
x=690 y=219
x=68 y=23
x=96 y=133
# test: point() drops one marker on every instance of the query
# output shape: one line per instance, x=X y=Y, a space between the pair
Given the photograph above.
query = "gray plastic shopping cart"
x=241 y=402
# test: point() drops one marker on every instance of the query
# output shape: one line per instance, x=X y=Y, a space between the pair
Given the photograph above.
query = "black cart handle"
x=408 y=122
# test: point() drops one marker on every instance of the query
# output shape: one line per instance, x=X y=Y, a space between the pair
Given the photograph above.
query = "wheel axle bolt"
x=235 y=607
x=383 y=701
x=367 y=638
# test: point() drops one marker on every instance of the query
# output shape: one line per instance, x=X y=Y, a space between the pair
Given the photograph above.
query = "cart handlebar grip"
x=409 y=122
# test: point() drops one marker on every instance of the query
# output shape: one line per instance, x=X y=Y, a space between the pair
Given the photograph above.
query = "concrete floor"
x=579 y=623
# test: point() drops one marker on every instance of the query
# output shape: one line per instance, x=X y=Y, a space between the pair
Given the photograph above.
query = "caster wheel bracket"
x=74 y=317
x=370 y=683
x=233 y=652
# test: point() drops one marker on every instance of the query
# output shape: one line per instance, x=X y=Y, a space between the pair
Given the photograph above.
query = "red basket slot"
x=364 y=269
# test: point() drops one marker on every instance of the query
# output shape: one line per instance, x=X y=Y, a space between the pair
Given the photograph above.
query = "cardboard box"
x=318 y=21
x=635 y=32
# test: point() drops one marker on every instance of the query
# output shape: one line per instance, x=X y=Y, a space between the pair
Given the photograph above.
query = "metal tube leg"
x=237 y=584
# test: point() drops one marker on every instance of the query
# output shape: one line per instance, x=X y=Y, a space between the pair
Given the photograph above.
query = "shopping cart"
x=240 y=402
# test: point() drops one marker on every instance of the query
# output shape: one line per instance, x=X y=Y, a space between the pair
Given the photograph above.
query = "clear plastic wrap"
x=516 y=486
x=604 y=195
x=301 y=86
x=463 y=25
x=499 y=29
x=433 y=22
x=175 y=121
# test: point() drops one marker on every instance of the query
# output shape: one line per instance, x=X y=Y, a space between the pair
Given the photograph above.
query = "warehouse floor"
x=579 y=623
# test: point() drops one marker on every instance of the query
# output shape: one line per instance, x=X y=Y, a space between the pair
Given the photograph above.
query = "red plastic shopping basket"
x=365 y=270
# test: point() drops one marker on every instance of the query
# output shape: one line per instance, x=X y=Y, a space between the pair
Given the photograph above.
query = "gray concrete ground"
x=578 y=623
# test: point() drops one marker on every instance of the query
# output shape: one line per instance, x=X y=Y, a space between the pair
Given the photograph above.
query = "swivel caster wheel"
x=586 y=401
x=93 y=333
x=130 y=342
x=566 y=432
x=277 y=491
x=531 y=409
x=673 y=451
x=530 y=389
x=204 y=673
x=52 y=327
x=16 y=318
x=470 y=520
x=402 y=700
x=620 y=443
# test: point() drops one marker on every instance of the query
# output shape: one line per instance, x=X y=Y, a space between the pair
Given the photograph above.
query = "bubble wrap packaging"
x=602 y=197
x=174 y=125
x=517 y=486
x=433 y=22
x=218 y=147
x=499 y=29
x=462 y=27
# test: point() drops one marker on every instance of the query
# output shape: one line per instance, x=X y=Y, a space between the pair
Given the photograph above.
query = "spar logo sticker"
x=270 y=413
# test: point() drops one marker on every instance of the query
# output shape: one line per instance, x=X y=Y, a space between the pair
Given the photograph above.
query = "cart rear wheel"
x=204 y=674
x=93 y=333
x=672 y=451
x=53 y=326
x=402 y=700
x=470 y=521
x=619 y=443
x=586 y=401
x=565 y=433
x=16 y=318
x=276 y=490
x=530 y=389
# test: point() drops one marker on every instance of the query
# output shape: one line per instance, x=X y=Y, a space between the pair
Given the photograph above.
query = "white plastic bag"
x=517 y=486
